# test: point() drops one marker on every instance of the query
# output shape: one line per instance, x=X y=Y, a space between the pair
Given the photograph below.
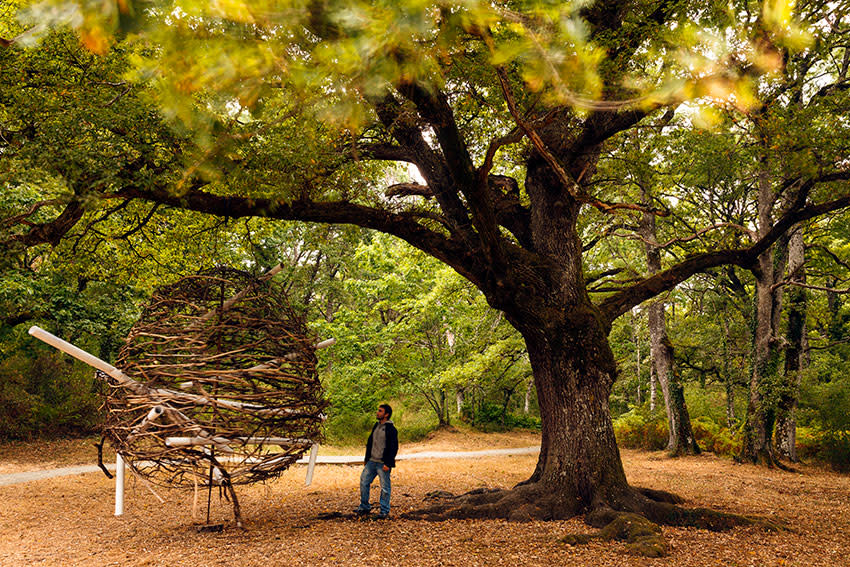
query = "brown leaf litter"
x=69 y=521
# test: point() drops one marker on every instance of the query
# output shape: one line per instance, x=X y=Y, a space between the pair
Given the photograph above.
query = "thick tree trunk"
x=579 y=467
x=574 y=371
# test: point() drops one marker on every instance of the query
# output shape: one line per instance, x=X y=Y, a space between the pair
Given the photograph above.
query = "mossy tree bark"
x=786 y=422
x=764 y=387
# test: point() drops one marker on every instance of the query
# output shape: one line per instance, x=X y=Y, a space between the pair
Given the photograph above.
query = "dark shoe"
x=360 y=512
x=382 y=517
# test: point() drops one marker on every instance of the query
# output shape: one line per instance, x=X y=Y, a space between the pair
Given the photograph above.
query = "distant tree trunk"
x=459 y=400
x=637 y=355
x=731 y=419
x=437 y=399
x=786 y=423
x=765 y=378
x=526 y=406
x=680 y=438
x=653 y=385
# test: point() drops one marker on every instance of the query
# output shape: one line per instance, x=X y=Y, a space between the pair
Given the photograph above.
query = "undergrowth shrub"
x=825 y=399
x=351 y=428
x=715 y=438
x=47 y=396
x=832 y=448
x=489 y=417
x=639 y=429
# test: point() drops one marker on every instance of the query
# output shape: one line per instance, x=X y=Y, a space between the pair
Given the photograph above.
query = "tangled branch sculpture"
x=218 y=384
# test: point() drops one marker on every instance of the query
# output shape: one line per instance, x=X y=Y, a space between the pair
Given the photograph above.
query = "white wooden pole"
x=156 y=394
x=119 y=484
x=80 y=354
x=223 y=441
x=314 y=450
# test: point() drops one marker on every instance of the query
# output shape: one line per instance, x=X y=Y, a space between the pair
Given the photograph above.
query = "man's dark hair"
x=387 y=409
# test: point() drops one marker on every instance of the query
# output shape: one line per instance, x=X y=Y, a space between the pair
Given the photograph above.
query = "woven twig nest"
x=225 y=387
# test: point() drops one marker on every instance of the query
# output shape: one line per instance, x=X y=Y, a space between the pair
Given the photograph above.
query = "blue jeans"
x=370 y=471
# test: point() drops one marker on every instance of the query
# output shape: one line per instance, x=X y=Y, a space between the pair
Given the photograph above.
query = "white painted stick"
x=159 y=394
x=119 y=484
x=219 y=441
x=314 y=450
x=80 y=354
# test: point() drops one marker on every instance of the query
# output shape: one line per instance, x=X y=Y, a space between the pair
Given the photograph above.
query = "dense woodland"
x=588 y=218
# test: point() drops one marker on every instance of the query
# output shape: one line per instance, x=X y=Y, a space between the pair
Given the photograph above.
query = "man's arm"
x=391 y=449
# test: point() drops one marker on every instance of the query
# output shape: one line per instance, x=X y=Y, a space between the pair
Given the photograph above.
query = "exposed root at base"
x=521 y=504
x=633 y=516
x=642 y=537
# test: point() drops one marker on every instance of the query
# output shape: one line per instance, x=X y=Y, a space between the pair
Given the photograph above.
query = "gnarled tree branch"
x=746 y=258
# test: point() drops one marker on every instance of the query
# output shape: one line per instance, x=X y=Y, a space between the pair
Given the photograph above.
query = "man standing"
x=381 y=449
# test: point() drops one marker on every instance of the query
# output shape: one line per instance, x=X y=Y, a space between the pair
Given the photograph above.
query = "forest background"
x=409 y=329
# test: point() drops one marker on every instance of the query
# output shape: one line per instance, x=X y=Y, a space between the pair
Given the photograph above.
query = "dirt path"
x=28 y=476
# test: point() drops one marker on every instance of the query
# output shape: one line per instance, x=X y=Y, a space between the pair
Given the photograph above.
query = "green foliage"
x=710 y=402
x=489 y=416
x=825 y=406
x=46 y=396
x=408 y=325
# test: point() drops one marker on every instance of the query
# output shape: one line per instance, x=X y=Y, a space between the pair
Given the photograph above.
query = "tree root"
x=633 y=516
x=642 y=537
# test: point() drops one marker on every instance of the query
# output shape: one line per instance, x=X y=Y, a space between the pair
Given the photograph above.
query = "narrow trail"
x=29 y=476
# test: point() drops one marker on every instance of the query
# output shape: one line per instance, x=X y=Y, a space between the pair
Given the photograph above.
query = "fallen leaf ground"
x=69 y=521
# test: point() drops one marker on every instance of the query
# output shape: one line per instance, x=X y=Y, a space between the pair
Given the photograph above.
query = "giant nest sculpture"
x=216 y=384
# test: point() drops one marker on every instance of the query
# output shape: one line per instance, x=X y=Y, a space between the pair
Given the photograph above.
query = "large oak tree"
x=301 y=110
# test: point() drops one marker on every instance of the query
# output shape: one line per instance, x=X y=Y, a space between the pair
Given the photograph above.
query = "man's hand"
x=386 y=468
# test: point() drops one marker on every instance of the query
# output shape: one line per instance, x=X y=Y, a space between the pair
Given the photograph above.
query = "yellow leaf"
x=777 y=13
x=95 y=40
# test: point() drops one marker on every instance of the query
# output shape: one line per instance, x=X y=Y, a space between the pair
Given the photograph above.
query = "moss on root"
x=641 y=536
